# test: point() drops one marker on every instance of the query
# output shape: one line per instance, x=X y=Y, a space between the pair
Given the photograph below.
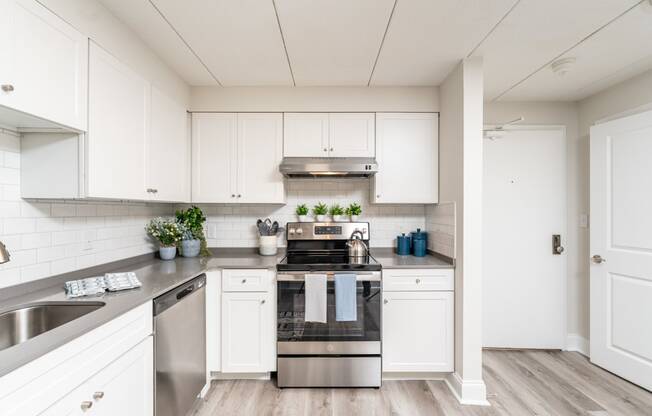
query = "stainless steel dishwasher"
x=180 y=347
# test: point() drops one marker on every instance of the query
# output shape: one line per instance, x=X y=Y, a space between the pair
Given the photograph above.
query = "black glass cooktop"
x=325 y=261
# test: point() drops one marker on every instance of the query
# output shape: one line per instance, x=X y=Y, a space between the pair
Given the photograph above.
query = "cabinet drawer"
x=399 y=280
x=254 y=280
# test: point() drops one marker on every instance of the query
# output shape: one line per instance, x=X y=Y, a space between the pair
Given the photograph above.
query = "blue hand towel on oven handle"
x=346 y=305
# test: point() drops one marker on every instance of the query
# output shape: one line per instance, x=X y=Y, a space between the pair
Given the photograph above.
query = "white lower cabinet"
x=418 y=328
x=124 y=387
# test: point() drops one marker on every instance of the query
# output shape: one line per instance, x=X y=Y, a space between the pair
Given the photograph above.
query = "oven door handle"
x=330 y=276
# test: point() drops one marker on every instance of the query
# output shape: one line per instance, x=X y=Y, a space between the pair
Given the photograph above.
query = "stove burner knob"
x=299 y=231
x=291 y=231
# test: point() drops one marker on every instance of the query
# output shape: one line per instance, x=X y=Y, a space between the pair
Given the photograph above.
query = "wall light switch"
x=584 y=220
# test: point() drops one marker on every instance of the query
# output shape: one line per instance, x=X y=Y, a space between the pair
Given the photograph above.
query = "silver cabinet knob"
x=7 y=87
x=331 y=149
x=155 y=190
x=385 y=301
x=239 y=196
x=244 y=281
x=378 y=196
x=149 y=190
x=418 y=281
x=597 y=259
x=325 y=149
x=86 y=405
x=232 y=195
x=98 y=395
x=262 y=301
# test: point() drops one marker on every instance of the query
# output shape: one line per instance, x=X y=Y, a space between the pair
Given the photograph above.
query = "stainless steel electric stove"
x=331 y=354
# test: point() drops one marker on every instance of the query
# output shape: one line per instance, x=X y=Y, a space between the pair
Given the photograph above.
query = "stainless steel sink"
x=25 y=322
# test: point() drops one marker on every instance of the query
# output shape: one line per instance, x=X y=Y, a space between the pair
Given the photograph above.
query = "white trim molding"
x=469 y=392
x=576 y=342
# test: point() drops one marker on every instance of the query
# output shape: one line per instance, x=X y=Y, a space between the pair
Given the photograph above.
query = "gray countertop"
x=157 y=277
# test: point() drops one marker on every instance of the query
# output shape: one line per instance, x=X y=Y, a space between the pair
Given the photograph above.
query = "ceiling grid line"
x=186 y=43
x=567 y=50
x=382 y=42
x=516 y=3
x=285 y=48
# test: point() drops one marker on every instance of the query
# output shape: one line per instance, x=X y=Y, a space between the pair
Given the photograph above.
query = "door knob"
x=597 y=259
x=98 y=395
x=86 y=405
x=557 y=248
x=7 y=87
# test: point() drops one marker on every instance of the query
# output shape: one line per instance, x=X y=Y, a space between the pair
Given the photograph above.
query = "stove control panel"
x=325 y=230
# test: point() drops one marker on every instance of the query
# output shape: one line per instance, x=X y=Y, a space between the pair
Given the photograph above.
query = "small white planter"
x=303 y=218
x=355 y=218
x=321 y=218
x=339 y=218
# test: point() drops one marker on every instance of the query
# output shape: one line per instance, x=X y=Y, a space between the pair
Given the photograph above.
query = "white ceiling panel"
x=619 y=51
x=148 y=24
x=426 y=38
x=333 y=42
x=535 y=32
x=239 y=41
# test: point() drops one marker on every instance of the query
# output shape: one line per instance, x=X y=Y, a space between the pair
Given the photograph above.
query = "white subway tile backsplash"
x=440 y=224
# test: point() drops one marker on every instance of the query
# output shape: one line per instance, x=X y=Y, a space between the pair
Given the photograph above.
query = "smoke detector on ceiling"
x=562 y=66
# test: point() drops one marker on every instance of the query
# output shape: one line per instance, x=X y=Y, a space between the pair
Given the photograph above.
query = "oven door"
x=297 y=337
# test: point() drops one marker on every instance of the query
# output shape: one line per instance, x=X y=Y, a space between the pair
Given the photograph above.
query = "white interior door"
x=621 y=243
x=524 y=205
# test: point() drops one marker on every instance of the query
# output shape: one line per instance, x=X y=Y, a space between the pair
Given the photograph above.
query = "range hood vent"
x=352 y=167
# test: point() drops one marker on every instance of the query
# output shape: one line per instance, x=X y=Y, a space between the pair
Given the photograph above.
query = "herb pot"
x=303 y=218
x=321 y=218
x=355 y=218
x=190 y=248
x=167 y=253
x=339 y=218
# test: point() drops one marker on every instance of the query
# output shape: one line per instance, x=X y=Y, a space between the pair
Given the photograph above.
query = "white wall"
x=46 y=238
x=235 y=225
x=576 y=241
x=460 y=160
x=374 y=99
x=91 y=18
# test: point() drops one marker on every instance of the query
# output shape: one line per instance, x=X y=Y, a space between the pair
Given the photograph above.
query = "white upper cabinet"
x=305 y=135
x=408 y=162
x=351 y=135
x=329 y=135
x=43 y=64
x=235 y=158
x=168 y=150
x=118 y=125
x=260 y=151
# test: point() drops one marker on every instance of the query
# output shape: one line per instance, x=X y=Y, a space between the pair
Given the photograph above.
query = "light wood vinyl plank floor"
x=519 y=383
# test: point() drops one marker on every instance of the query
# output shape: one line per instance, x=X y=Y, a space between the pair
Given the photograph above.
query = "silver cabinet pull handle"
x=98 y=395
x=7 y=87
x=385 y=301
x=244 y=280
x=262 y=301
x=86 y=405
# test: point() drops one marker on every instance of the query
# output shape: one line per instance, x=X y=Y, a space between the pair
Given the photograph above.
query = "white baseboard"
x=397 y=375
x=576 y=342
x=470 y=392
x=240 y=376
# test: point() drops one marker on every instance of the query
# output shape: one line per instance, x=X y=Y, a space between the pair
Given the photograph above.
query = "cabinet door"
x=248 y=327
x=214 y=157
x=124 y=387
x=305 y=135
x=118 y=124
x=168 y=151
x=352 y=135
x=48 y=64
x=407 y=154
x=418 y=331
x=260 y=151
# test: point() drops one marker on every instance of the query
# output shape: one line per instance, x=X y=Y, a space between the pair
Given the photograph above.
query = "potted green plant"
x=302 y=212
x=337 y=212
x=168 y=233
x=353 y=211
x=320 y=210
x=193 y=240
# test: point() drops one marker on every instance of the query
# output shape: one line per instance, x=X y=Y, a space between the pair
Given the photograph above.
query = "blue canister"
x=419 y=243
x=403 y=245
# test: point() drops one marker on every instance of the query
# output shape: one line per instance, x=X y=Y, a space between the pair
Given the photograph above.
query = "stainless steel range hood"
x=301 y=167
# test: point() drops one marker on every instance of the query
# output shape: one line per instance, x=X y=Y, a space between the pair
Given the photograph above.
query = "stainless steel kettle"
x=358 y=250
